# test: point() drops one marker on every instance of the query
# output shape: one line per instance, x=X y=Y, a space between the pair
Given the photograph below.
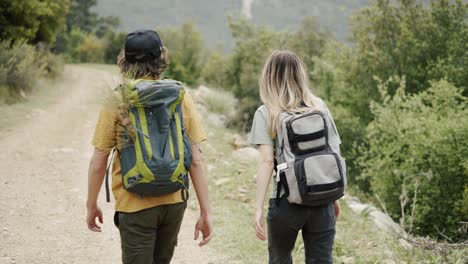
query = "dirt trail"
x=43 y=177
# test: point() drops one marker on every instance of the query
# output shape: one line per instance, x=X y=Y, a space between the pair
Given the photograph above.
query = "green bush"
x=220 y=102
x=416 y=158
x=4 y=90
x=33 y=21
x=82 y=47
x=71 y=42
x=214 y=70
x=54 y=64
x=21 y=67
x=91 y=49
x=113 y=43
x=331 y=77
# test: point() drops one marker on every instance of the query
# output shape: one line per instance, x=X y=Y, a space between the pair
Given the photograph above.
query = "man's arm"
x=198 y=176
x=96 y=173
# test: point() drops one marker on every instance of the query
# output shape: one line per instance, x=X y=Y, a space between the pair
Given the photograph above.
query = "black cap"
x=142 y=45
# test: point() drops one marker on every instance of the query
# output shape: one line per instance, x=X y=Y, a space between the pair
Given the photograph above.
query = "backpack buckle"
x=279 y=168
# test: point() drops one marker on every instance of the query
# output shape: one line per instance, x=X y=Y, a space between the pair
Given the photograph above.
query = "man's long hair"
x=150 y=69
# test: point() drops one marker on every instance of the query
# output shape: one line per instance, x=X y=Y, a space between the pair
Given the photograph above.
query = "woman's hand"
x=337 y=207
x=260 y=225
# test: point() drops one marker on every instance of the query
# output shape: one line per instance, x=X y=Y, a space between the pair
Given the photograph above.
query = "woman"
x=284 y=87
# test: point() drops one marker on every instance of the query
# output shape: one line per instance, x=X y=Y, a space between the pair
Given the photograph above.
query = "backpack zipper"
x=150 y=117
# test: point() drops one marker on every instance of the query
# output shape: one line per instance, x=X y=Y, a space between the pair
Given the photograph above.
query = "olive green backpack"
x=155 y=153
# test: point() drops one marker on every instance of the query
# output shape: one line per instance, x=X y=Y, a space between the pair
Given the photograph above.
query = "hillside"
x=210 y=15
x=364 y=233
x=46 y=195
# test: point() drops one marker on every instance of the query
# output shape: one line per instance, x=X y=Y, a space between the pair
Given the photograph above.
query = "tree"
x=412 y=40
x=308 y=41
x=185 y=45
x=253 y=45
x=82 y=24
x=80 y=15
x=114 y=42
x=214 y=69
x=35 y=21
x=390 y=39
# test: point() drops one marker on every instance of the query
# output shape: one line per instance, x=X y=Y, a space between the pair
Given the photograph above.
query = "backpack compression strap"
x=281 y=182
x=107 y=174
x=280 y=167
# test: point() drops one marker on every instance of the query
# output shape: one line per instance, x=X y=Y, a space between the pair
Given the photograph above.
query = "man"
x=148 y=225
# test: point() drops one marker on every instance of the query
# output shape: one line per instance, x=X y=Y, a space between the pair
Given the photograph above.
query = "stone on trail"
x=348 y=260
x=215 y=119
x=242 y=190
x=247 y=153
x=64 y=150
x=200 y=92
x=222 y=181
x=405 y=244
x=210 y=167
x=238 y=141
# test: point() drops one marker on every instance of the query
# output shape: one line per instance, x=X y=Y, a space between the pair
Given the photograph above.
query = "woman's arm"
x=198 y=176
x=264 y=173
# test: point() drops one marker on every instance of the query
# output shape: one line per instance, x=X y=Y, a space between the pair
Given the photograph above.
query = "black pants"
x=150 y=236
x=318 y=231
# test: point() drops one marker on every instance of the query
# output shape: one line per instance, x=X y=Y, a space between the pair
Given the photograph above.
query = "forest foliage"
x=415 y=46
x=398 y=95
x=33 y=20
x=38 y=36
x=397 y=90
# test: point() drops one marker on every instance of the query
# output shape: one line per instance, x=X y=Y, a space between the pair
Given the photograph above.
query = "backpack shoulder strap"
x=110 y=161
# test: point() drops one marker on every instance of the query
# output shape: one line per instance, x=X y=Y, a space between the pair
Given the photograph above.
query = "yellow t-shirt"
x=105 y=138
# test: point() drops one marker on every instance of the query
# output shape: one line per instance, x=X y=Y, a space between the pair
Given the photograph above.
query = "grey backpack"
x=309 y=171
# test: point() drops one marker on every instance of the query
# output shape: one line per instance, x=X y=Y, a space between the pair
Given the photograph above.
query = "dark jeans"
x=318 y=231
x=150 y=236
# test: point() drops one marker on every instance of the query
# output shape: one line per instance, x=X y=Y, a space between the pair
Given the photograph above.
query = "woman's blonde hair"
x=284 y=87
x=148 y=69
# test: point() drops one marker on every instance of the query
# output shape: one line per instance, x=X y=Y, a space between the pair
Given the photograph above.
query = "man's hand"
x=93 y=213
x=337 y=207
x=205 y=226
x=260 y=225
x=97 y=170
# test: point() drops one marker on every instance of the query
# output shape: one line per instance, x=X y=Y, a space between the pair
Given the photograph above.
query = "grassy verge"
x=232 y=191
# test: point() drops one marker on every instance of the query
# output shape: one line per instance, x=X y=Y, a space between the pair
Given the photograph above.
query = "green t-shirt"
x=259 y=133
